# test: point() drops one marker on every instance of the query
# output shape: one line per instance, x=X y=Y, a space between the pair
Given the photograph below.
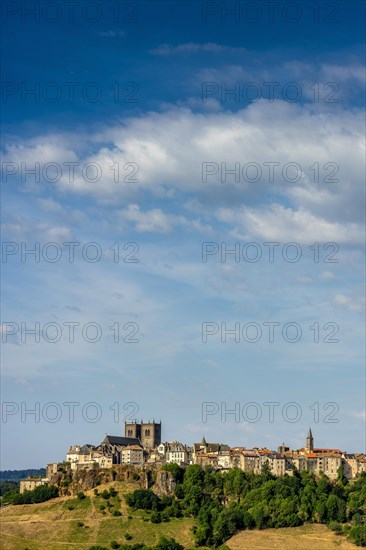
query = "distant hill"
x=17 y=475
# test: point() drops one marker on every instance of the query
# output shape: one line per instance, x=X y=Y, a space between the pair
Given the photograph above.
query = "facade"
x=148 y=433
x=142 y=444
x=216 y=455
x=132 y=455
x=84 y=457
x=112 y=446
x=72 y=455
x=30 y=483
x=174 y=453
x=53 y=468
x=317 y=460
x=249 y=461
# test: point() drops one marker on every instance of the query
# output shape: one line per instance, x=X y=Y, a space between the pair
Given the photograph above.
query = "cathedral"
x=149 y=433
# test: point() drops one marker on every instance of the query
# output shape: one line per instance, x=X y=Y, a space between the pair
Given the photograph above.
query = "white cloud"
x=153 y=220
x=321 y=84
x=349 y=302
x=50 y=205
x=156 y=221
x=277 y=223
x=40 y=231
x=336 y=73
x=163 y=154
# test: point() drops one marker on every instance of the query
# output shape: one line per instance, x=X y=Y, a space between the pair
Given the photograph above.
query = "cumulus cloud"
x=308 y=161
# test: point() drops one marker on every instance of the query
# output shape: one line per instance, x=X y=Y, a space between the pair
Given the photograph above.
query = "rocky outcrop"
x=70 y=482
x=165 y=483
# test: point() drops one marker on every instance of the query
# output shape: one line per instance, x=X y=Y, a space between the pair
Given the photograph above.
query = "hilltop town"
x=142 y=445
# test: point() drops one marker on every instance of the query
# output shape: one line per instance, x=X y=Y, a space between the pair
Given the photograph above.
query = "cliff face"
x=165 y=483
x=71 y=482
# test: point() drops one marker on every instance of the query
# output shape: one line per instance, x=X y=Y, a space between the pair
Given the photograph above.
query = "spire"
x=203 y=442
x=310 y=441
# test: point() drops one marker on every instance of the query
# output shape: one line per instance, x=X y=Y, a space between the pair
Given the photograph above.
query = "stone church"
x=148 y=433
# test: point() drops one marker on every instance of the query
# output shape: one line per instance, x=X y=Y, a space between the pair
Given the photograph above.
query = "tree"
x=168 y=544
x=266 y=473
x=341 y=477
x=357 y=534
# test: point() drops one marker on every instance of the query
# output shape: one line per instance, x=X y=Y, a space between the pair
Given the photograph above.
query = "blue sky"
x=147 y=90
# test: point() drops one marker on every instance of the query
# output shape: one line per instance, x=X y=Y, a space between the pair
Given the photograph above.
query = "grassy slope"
x=52 y=526
x=317 y=537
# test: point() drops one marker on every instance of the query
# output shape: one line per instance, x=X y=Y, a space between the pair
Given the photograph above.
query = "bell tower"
x=309 y=442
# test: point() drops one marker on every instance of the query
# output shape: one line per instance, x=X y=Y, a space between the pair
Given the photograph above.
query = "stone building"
x=113 y=446
x=84 y=457
x=132 y=455
x=174 y=453
x=148 y=433
x=30 y=483
x=216 y=455
x=318 y=460
x=247 y=460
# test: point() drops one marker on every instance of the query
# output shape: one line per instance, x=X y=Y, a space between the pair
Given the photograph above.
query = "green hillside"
x=191 y=506
x=73 y=524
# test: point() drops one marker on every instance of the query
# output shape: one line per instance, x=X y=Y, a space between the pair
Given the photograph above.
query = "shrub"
x=128 y=536
x=70 y=507
x=143 y=499
x=155 y=517
x=106 y=494
x=114 y=544
x=357 y=534
x=39 y=494
x=335 y=526
x=116 y=513
x=80 y=524
x=168 y=544
x=80 y=495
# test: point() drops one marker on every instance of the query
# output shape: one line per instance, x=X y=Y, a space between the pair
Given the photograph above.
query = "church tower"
x=309 y=442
